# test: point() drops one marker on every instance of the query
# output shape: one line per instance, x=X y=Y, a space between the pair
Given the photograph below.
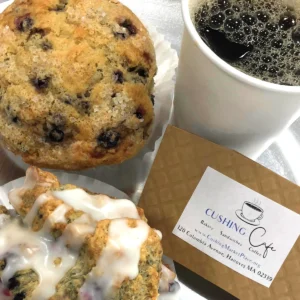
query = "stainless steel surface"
x=281 y=157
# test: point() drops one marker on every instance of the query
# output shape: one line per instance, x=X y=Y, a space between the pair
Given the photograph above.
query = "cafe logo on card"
x=238 y=227
x=250 y=213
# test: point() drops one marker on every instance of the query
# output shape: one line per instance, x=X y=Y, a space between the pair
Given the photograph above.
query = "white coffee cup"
x=225 y=105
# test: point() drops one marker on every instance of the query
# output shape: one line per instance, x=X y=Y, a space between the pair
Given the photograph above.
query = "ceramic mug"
x=225 y=105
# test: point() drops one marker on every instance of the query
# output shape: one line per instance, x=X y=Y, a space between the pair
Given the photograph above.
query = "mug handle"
x=260 y=217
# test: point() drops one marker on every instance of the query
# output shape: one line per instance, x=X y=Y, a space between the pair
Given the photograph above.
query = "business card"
x=238 y=227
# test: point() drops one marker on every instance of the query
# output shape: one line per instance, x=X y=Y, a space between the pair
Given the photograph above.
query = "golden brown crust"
x=145 y=285
x=76 y=91
x=43 y=182
x=44 y=212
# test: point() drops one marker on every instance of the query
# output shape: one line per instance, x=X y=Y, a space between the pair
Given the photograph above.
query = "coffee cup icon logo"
x=250 y=213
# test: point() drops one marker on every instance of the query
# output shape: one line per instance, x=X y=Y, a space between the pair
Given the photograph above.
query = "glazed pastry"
x=76 y=82
x=43 y=202
x=73 y=244
x=120 y=258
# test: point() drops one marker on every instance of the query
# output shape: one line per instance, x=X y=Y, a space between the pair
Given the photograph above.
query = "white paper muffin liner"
x=130 y=176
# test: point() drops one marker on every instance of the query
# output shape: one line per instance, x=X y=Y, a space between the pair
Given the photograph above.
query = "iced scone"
x=68 y=243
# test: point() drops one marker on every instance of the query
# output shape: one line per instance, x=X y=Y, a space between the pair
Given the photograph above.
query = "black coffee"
x=254 y=207
x=259 y=37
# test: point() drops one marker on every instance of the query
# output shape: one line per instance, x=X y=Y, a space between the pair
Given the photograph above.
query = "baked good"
x=96 y=264
x=76 y=82
x=73 y=244
x=42 y=195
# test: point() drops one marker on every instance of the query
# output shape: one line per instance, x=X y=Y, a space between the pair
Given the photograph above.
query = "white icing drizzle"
x=57 y=216
x=120 y=257
x=86 y=219
x=42 y=199
x=76 y=232
x=99 y=207
x=31 y=180
x=29 y=250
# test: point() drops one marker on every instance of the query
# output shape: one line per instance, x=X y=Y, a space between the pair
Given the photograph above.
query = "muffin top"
x=76 y=82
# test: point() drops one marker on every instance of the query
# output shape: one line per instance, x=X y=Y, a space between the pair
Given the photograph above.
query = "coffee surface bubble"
x=258 y=37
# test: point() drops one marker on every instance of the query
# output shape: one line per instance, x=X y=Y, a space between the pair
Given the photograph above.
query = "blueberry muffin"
x=76 y=82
